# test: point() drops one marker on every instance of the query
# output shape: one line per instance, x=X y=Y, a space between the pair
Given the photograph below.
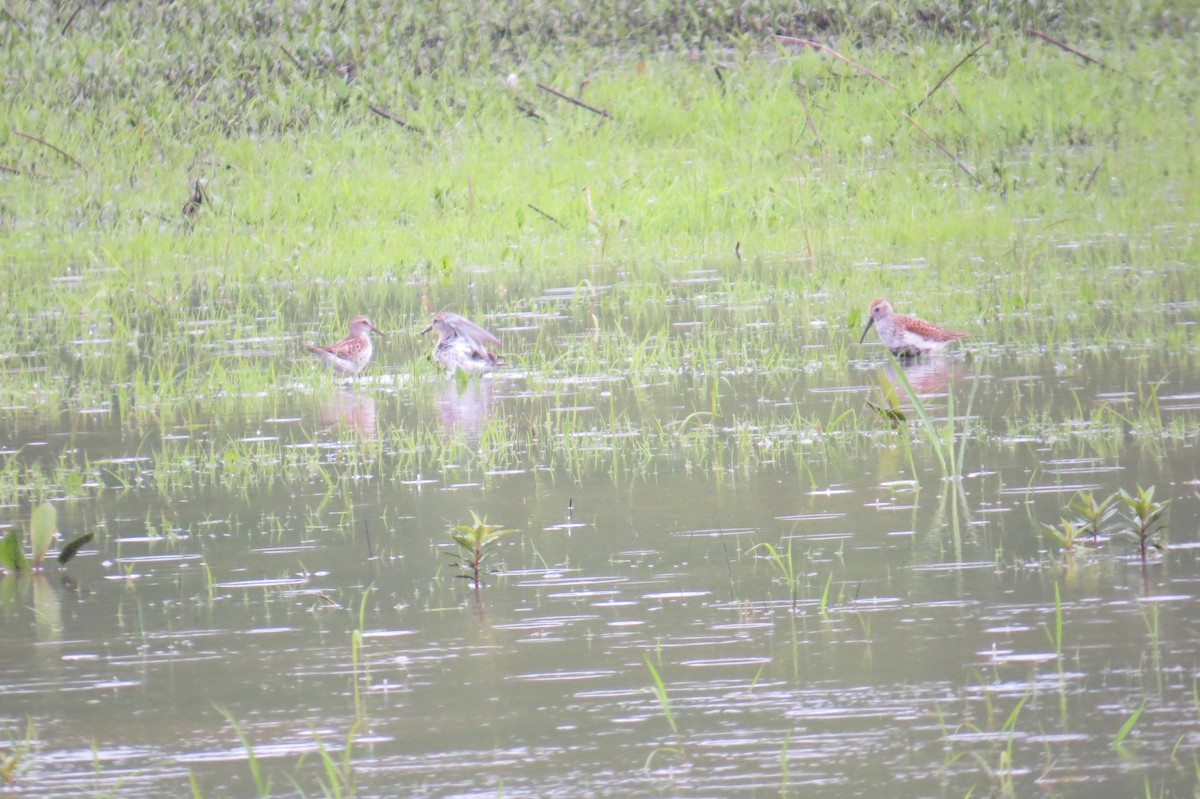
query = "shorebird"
x=906 y=336
x=462 y=344
x=352 y=353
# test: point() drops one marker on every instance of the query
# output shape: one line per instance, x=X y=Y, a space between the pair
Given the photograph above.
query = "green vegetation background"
x=363 y=157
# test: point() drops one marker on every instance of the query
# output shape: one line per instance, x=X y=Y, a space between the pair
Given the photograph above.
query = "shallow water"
x=306 y=593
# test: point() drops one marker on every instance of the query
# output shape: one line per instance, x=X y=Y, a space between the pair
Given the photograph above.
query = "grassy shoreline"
x=756 y=194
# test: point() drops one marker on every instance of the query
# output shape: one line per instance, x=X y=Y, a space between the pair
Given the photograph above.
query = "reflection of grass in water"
x=1056 y=634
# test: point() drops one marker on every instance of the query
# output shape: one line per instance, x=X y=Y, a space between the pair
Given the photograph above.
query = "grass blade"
x=660 y=690
x=1128 y=726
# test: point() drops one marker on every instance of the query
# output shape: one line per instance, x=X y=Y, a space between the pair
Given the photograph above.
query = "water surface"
x=302 y=587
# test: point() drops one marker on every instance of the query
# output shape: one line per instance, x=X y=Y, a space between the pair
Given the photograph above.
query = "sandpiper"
x=461 y=344
x=906 y=336
x=352 y=353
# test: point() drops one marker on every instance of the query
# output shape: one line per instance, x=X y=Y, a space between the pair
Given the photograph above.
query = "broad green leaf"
x=890 y=395
x=74 y=482
x=41 y=530
x=12 y=556
x=72 y=548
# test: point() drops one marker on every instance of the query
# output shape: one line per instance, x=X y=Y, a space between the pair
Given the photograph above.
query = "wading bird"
x=906 y=336
x=462 y=344
x=352 y=353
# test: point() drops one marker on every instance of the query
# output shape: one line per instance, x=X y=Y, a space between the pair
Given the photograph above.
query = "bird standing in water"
x=462 y=344
x=906 y=336
x=352 y=353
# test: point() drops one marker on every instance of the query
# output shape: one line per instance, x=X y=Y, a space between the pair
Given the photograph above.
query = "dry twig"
x=45 y=143
x=946 y=77
x=575 y=100
x=835 y=54
x=543 y=213
x=808 y=120
x=1070 y=49
x=293 y=58
x=406 y=125
x=942 y=147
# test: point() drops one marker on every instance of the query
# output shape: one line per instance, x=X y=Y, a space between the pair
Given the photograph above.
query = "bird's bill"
x=870 y=322
x=376 y=330
x=426 y=330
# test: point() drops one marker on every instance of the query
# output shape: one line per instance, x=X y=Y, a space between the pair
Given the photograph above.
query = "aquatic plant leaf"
x=73 y=482
x=73 y=546
x=41 y=530
x=895 y=417
x=1127 y=727
x=660 y=691
x=12 y=556
x=888 y=389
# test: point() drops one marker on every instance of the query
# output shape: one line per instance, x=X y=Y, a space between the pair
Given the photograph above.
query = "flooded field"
x=729 y=581
x=724 y=549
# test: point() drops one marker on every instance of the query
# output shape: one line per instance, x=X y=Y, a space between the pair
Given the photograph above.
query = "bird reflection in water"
x=926 y=375
x=464 y=405
x=351 y=410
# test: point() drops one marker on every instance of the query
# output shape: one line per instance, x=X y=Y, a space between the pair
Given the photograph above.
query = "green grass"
x=755 y=189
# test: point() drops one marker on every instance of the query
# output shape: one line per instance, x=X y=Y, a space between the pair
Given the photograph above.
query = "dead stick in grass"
x=61 y=152
x=396 y=119
x=808 y=120
x=942 y=147
x=1071 y=49
x=575 y=100
x=544 y=214
x=293 y=58
x=835 y=54
x=946 y=77
x=71 y=19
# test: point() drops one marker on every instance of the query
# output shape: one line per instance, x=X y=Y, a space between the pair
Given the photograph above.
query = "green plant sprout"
x=1065 y=537
x=476 y=542
x=1093 y=514
x=1145 y=514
